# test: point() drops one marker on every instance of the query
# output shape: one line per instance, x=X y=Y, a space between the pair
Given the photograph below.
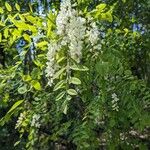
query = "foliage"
x=95 y=100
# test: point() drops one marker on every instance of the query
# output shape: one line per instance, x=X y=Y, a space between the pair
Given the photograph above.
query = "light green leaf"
x=107 y=16
x=2 y=24
x=0 y=37
x=79 y=68
x=101 y=7
x=15 y=106
x=16 y=143
x=26 y=78
x=75 y=80
x=41 y=44
x=60 y=96
x=22 y=90
x=8 y=7
x=58 y=73
x=36 y=85
x=72 y=92
x=6 y=33
x=27 y=37
x=65 y=109
x=10 y=112
x=59 y=85
x=31 y=19
x=17 y=7
x=1 y=10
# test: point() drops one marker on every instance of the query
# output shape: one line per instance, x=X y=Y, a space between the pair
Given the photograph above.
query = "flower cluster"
x=35 y=121
x=50 y=70
x=76 y=34
x=93 y=34
x=72 y=28
x=115 y=102
x=62 y=19
x=20 y=120
x=73 y=34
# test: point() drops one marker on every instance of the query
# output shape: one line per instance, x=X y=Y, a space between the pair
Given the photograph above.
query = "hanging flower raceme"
x=50 y=70
x=73 y=32
x=62 y=19
x=20 y=120
x=114 y=101
x=35 y=122
x=76 y=34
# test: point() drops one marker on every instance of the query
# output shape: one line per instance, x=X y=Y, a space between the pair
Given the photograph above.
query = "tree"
x=72 y=79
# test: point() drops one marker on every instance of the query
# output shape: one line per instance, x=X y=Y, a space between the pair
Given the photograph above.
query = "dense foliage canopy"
x=74 y=74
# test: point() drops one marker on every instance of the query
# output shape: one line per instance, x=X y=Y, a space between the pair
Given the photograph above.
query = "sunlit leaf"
x=0 y=37
x=75 y=80
x=72 y=92
x=17 y=7
x=79 y=68
x=60 y=96
x=59 y=85
x=36 y=85
x=8 y=7
x=22 y=90
x=15 y=105
x=1 y=10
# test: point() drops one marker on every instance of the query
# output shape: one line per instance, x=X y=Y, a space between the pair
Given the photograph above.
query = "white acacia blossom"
x=115 y=100
x=73 y=33
x=76 y=33
x=35 y=121
x=50 y=69
x=72 y=27
x=20 y=120
x=93 y=35
x=62 y=19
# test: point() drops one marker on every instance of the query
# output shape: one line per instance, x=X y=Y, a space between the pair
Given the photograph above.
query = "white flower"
x=50 y=69
x=76 y=34
x=20 y=120
x=115 y=102
x=35 y=121
x=72 y=29
x=93 y=34
x=63 y=16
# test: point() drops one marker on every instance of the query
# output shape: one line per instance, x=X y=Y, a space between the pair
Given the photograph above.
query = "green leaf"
x=21 y=25
x=0 y=37
x=65 y=109
x=31 y=19
x=22 y=90
x=58 y=73
x=10 y=112
x=36 y=85
x=59 y=85
x=107 y=16
x=42 y=44
x=27 y=37
x=72 y=92
x=2 y=24
x=74 y=80
x=6 y=33
x=16 y=143
x=17 y=7
x=1 y=10
x=8 y=7
x=101 y=7
x=79 y=68
x=26 y=78
x=15 y=105
x=60 y=96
